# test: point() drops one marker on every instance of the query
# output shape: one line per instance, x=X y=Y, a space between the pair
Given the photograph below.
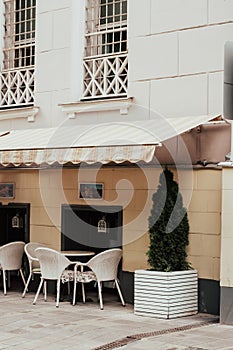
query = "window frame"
x=19 y=52
x=94 y=38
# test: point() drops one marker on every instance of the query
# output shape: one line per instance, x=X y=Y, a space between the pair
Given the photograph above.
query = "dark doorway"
x=14 y=222
x=80 y=227
x=81 y=231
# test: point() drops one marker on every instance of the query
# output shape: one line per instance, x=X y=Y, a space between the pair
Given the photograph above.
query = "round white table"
x=77 y=253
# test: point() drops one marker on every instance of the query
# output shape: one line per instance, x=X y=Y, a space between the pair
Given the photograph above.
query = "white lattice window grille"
x=17 y=75
x=106 y=59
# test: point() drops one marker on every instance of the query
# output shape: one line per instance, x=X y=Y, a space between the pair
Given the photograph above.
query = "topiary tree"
x=168 y=227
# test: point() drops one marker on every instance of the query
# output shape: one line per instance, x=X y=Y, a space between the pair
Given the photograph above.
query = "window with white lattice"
x=106 y=60
x=17 y=76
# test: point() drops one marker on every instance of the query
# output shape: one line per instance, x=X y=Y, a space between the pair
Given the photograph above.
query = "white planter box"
x=165 y=294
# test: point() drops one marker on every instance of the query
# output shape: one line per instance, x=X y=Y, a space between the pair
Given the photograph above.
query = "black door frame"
x=14 y=207
x=93 y=208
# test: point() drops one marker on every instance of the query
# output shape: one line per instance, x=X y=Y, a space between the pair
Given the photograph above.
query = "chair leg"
x=44 y=286
x=22 y=275
x=38 y=291
x=45 y=290
x=83 y=288
x=58 y=292
x=74 y=291
x=4 y=281
x=27 y=284
x=83 y=293
x=68 y=287
x=119 y=292
x=100 y=295
x=9 y=279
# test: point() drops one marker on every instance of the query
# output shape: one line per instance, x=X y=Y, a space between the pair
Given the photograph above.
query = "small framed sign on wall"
x=91 y=190
x=7 y=190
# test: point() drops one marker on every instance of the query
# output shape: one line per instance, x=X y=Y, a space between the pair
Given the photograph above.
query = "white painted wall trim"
x=77 y=48
x=28 y=113
x=73 y=108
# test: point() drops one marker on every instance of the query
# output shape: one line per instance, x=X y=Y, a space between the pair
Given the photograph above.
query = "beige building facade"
x=131 y=189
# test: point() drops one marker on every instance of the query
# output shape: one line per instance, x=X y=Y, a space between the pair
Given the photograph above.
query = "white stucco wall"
x=176 y=55
x=53 y=47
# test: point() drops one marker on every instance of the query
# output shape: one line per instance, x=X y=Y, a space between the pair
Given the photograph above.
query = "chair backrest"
x=31 y=254
x=105 y=264
x=11 y=255
x=52 y=263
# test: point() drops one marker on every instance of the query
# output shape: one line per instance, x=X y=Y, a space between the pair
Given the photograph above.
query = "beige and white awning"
x=106 y=142
x=89 y=155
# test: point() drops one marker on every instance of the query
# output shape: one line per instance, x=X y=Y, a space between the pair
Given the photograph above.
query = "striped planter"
x=165 y=294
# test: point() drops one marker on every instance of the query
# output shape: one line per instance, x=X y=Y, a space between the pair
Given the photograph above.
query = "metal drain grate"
x=131 y=338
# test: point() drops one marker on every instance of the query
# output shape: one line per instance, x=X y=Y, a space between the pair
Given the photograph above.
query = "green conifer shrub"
x=168 y=227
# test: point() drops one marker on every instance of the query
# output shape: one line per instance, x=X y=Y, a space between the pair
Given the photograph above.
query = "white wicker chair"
x=52 y=265
x=103 y=267
x=11 y=255
x=34 y=266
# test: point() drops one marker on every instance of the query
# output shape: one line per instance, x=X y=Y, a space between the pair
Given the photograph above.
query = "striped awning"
x=89 y=155
x=100 y=143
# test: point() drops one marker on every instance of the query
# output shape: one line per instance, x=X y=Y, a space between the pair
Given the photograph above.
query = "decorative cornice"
x=15 y=113
x=73 y=108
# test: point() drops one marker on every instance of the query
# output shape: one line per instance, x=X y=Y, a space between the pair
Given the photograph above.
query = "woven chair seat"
x=83 y=277
x=67 y=276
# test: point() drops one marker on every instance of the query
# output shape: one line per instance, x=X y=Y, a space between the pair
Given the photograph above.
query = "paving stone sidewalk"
x=24 y=326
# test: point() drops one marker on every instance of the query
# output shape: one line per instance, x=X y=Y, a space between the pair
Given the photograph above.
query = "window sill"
x=73 y=108
x=28 y=113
